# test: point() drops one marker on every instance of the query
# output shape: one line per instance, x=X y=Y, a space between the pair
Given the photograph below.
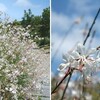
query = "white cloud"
x=59 y=24
x=70 y=41
x=84 y=6
x=59 y=21
x=3 y=8
x=25 y=3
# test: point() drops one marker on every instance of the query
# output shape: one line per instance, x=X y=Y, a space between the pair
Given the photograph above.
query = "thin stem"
x=91 y=27
x=98 y=47
x=83 y=88
x=68 y=72
x=62 y=41
x=93 y=34
x=67 y=85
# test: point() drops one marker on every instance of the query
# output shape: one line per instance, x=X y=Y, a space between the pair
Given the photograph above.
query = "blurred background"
x=70 y=23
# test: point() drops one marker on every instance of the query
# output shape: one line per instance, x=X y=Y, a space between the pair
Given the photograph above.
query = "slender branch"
x=62 y=41
x=85 y=30
x=68 y=72
x=91 y=27
x=98 y=47
x=91 y=40
x=66 y=85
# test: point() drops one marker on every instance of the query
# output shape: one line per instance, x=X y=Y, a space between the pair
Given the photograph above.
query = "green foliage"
x=21 y=97
x=39 y=26
x=22 y=79
x=27 y=19
x=45 y=23
x=43 y=41
x=94 y=91
x=15 y=22
x=35 y=26
x=39 y=98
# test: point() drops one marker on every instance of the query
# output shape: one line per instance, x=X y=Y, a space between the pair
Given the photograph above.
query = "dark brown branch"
x=91 y=27
x=67 y=85
x=68 y=72
x=98 y=47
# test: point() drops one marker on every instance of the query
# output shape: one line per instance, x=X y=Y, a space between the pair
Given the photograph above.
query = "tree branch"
x=67 y=84
x=91 y=27
x=68 y=72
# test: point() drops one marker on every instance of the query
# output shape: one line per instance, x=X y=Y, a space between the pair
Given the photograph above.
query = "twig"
x=85 y=30
x=67 y=85
x=98 y=47
x=91 y=40
x=68 y=72
x=62 y=41
x=91 y=27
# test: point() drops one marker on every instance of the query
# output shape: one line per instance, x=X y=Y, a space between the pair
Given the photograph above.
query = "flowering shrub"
x=16 y=61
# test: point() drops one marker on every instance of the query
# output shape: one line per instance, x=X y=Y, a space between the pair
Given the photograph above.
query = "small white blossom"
x=81 y=59
x=63 y=66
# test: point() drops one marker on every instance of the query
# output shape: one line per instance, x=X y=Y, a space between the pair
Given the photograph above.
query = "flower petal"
x=75 y=55
x=98 y=60
x=68 y=58
x=81 y=49
x=65 y=57
x=91 y=51
x=63 y=66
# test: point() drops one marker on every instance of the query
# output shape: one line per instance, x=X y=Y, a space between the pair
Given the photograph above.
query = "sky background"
x=69 y=19
x=15 y=8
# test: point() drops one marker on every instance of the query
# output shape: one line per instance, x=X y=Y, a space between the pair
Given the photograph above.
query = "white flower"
x=68 y=58
x=89 y=78
x=3 y=37
x=26 y=34
x=9 y=52
x=88 y=97
x=82 y=50
x=61 y=74
x=63 y=66
x=13 y=90
x=75 y=93
x=81 y=59
x=24 y=59
x=98 y=60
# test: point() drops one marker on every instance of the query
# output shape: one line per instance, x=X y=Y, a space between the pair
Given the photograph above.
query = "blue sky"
x=64 y=15
x=15 y=8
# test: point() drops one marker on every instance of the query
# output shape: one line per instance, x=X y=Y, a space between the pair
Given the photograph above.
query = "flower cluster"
x=87 y=61
x=16 y=61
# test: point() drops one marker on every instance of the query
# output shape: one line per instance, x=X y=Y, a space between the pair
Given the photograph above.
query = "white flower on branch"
x=81 y=59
